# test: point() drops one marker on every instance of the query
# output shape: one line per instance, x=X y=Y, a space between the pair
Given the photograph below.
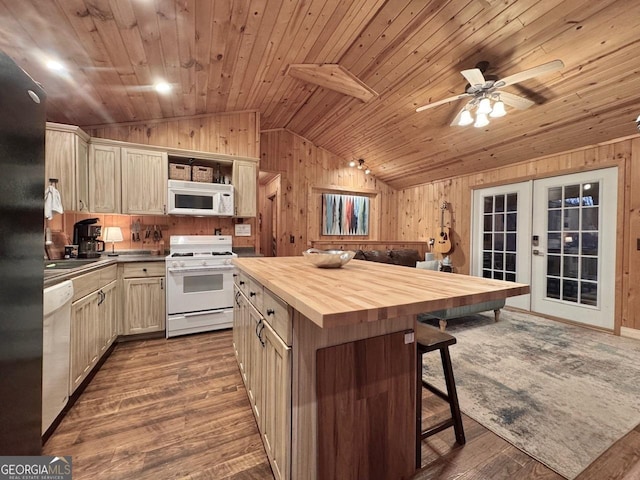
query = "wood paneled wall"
x=228 y=133
x=419 y=210
x=305 y=170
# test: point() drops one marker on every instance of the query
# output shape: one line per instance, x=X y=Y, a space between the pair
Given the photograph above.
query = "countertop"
x=364 y=291
x=55 y=276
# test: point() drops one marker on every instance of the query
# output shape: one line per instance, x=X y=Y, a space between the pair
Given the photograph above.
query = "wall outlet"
x=292 y=239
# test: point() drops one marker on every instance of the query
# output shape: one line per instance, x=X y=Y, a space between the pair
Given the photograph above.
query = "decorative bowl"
x=328 y=258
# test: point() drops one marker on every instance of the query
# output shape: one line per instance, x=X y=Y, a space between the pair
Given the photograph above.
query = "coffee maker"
x=85 y=236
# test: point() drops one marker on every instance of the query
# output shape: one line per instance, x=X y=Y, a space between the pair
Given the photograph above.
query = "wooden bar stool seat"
x=428 y=340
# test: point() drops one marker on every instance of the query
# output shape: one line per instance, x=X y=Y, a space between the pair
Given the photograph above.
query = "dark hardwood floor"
x=177 y=409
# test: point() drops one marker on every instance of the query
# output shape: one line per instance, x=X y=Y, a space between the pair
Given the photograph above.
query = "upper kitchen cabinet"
x=104 y=177
x=66 y=159
x=144 y=181
x=244 y=180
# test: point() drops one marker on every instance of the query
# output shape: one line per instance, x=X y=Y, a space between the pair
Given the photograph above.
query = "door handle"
x=538 y=252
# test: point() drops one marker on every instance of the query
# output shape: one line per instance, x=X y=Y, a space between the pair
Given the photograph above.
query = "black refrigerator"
x=22 y=132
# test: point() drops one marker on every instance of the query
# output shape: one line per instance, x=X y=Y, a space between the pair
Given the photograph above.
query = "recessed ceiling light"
x=163 y=87
x=56 y=66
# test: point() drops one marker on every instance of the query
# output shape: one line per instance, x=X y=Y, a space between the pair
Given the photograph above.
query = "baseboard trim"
x=630 y=333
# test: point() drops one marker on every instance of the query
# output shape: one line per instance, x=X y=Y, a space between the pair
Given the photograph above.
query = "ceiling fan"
x=486 y=94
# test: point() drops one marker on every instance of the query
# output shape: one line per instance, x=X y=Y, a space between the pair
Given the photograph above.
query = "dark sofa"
x=404 y=257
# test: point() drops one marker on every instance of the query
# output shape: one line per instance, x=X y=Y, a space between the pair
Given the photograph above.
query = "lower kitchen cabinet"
x=93 y=324
x=265 y=363
x=144 y=297
x=276 y=388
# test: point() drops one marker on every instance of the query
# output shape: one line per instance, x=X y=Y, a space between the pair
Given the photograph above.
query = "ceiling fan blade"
x=442 y=102
x=530 y=73
x=515 y=101
x=456 y=119
x=474 y=76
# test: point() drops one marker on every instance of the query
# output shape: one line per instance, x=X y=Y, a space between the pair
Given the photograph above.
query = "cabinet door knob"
x=252 y=294
x=162 y=284
x=270 y=311
x=241 y=282
x=144 y=269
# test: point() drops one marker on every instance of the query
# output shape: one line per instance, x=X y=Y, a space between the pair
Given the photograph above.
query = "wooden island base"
x=353 y=400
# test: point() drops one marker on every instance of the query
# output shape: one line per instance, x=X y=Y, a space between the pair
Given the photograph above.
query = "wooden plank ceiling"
x=232 y=55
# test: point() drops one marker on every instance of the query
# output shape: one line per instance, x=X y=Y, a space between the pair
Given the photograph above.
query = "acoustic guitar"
x=443 y=242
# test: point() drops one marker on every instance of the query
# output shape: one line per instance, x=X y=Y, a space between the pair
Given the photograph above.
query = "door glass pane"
x=554 y=243
x=555 y=197
x=488 y=204
x=572 y=243
x=570 y=267
x=571 y=219
x=553 y=265
x=553 y=288
x=555 y=220
x=495 y=239
x=569 y=291
x=590 y=218
x=591 y=194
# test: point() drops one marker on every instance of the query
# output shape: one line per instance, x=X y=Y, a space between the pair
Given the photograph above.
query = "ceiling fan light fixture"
x=498 y=110
x=481 y=120
x=465 y=118
x=352 y=163
x=367 y=171
x=484 y=106
x=360 y=164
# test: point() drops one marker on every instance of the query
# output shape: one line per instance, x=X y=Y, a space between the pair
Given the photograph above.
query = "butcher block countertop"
x=363 y=291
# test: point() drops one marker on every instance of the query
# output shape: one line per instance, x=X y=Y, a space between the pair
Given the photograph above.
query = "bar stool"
x=430 y=339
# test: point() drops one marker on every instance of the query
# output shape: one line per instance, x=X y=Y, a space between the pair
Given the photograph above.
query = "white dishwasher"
x=56 y=334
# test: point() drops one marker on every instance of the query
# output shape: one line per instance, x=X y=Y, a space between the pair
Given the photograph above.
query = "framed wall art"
x=345 y=214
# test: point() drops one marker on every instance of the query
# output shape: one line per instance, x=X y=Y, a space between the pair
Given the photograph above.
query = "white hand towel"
x=52 y=202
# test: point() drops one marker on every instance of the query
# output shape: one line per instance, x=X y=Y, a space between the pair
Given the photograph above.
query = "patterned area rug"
x=562 y=394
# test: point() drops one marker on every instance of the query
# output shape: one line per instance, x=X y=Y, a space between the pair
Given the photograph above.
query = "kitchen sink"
x=68 y=263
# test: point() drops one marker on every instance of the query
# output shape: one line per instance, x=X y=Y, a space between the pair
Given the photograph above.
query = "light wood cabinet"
x=94 y=319
x=144 y=181
x=66 y=159
x=104 y=178
x=108 y=310
x=265 y=363
x=144 y=298
x=276 y=418
x=244 y=180
x=84 y=339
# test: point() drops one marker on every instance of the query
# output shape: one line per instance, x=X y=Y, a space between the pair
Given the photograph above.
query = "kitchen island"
x=329 y=360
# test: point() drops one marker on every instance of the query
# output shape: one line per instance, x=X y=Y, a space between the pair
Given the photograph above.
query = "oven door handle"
x=221 y=268
x=208 y=312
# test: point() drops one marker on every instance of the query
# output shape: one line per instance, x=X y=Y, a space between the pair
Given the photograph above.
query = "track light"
x=360 y=165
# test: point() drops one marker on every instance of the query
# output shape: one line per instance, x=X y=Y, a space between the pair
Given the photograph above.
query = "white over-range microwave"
x=201 y=199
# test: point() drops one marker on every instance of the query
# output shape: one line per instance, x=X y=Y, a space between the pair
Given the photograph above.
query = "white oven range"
x=199 y=284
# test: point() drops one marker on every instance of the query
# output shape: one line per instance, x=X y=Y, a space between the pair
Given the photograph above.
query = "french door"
x=565 y=239
x=501 y=227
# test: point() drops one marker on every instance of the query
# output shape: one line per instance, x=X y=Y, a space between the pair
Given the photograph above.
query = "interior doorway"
x=557 y=234
x=268 y=212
